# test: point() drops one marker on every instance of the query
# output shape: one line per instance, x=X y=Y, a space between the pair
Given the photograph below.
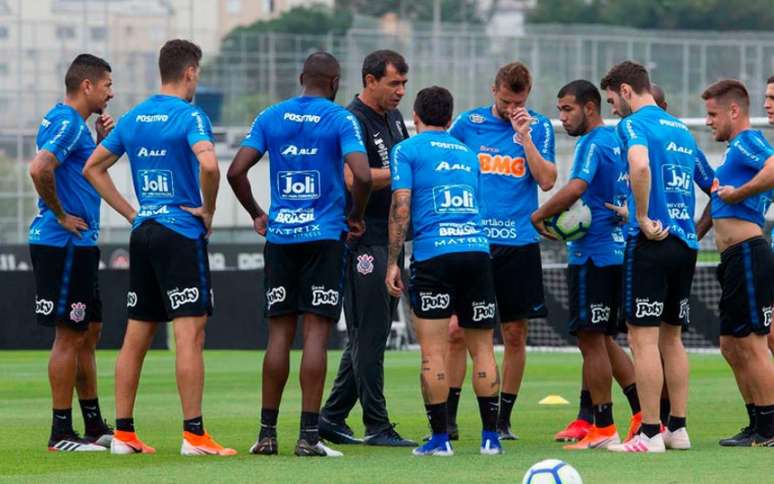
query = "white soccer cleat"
x=74 y=444
x=641 y=443
x=305 y=449
x=677 y=440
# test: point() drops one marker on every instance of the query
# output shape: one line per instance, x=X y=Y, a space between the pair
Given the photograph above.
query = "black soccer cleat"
x=760 y=441
x=388 y=437
x=100 y=436
x=505 y=433
x=741 y=439
x=337 y=433
x=305 y=449
x=265 y=446
x=72 y=443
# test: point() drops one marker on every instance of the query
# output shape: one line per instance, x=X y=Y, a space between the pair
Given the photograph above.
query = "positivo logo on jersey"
x=301 y=118
x=429 y=301
x=676 y=178
x=293 y=150
x=178 y=297
x=151 y=118
x=299 y=185
x=322 y=296
x=274 y=296
x=43 y=306
x=144 y=152
x=156 y=183
x=294 y=216
x=599 y=313
x=454 y=199
x=483 y=310
x=645 y=308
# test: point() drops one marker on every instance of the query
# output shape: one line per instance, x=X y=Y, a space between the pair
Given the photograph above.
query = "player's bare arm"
x=380 y=178
x=639 y=176
x=42 y=174
x=761 y=182
x=558 y=203
x=400 y=216
x=96 y=171
x=361 y=190
x=542 y=170
x=245 y=158
x=209 y=178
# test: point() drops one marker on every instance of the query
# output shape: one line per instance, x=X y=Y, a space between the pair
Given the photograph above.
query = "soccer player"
x=746 y=271
x=661 y=251
x=170 y=148
x=308 y=138
x=598 y=177
x=436 y=190
x=515 y=148
x=368 y=307
x=63 y=248
x=768 y=105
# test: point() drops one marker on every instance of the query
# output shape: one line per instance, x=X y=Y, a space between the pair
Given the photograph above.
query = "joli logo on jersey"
x=299 y=185
x=676 y=178
x=454 y=199
x=156 y=183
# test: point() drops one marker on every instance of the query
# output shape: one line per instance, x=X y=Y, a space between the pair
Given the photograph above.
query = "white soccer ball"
x=552 y=471
x=572 y=224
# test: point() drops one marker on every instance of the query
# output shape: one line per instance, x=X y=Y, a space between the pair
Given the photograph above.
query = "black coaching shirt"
x=380 y=134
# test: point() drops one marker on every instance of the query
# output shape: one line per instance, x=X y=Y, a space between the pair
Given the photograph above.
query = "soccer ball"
x=572 y=224
x=552 y=471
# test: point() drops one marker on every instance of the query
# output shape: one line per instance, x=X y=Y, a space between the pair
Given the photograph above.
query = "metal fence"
x=253 y=70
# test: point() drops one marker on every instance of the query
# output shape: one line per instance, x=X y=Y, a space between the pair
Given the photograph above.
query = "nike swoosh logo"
x=61 y=418
x=599 y=444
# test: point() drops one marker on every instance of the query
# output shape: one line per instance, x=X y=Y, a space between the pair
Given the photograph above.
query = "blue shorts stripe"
x=203 y=286
x=748 y=274
x=628 y=275
x=64 y=288
x=582 y=293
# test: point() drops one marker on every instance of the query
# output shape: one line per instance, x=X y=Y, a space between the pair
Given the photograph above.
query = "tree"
x=453 y=11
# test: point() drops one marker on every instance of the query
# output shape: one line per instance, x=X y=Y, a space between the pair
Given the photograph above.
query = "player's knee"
x=456 y=336
x=515 y=336
x=728 y=350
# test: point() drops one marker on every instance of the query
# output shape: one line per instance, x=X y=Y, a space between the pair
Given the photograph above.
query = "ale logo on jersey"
x=156 y=183
x=454 y=199
x=290 y=151
x=502 y=165
x=299 y=185
x=677 y=178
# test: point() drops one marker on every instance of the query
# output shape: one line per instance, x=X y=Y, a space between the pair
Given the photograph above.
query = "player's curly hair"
x=627 y=72
x=515 y=76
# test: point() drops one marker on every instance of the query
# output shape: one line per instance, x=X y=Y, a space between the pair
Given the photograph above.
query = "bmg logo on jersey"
x=676 y=178
x=454 y=199
x=299 y=185
x=156 y=183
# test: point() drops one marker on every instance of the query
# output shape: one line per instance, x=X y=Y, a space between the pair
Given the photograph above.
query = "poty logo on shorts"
x=151 y=118
x=179 y=297
x=430 y=301
x=77 y=312
x=43 y=306
x=483 y=310
x=320 y=296
x=365 y=264
x=645 y=308
x=275 y=295
x=454 y=199
x=600 y=313
x=767 y=315
x=299 y=185
x=301 y=118
x=685 y=311
x=131 y=299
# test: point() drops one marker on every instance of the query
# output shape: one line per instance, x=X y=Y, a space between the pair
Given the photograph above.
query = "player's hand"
x=729 y=194
x=73 y=224
x=202 y=214
x=622 y=212
x=260 y=223
x=653 y=229
x=104 y=125
x=356 y=228
x=394 y=280
x=131 y=217
x=540 y=226
x=522 y=124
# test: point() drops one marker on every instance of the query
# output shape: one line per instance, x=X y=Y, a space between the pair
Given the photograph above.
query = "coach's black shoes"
x=305 y=449
x=101 y=435
x=742 y=439
x=72 y=443
x=337 y=433
x=505 y=433
x=264 y=446
x=388 y=437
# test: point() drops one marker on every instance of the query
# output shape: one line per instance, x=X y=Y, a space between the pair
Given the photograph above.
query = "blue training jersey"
x=307 y=138
x=158 y=136
x=64 y=134
x=745 y=156
x=511 y=192
x=443 y=176
x=599 y=162
x=673 y=155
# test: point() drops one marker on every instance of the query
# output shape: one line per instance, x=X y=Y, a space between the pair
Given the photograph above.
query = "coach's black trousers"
x=368 y=309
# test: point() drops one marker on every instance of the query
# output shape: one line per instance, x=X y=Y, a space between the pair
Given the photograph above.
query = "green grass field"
x=232 y=405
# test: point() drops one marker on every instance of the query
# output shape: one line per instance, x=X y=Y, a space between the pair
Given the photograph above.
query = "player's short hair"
x=320 y=67
x=515 y=76
x=771 y=80
x=584 y=92
x=728 y=90
x=377 y=61
x=85 y=66
x=434 y=106
x=627 y=72
x=175 y=57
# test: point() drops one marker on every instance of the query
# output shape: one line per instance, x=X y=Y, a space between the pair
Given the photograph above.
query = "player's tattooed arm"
x=400 y=216
x=42 y=174
x=96 y=171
